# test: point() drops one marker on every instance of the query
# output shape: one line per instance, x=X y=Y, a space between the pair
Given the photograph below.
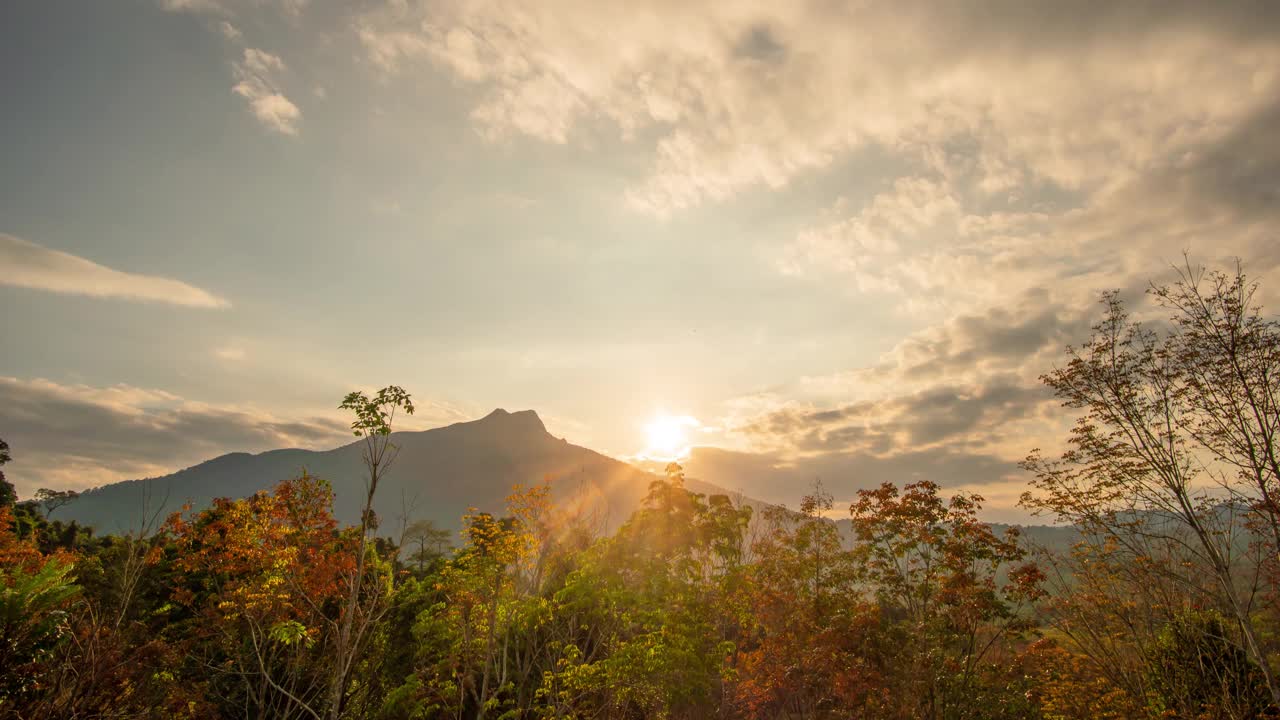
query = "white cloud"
x=28 y=265
x=193 y=6
x=256 y=73
x=229 y=31
x=290 y=8
x=915 y=211
x=750 y=94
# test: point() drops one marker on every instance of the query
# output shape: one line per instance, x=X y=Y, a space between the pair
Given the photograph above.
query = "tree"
x=35 y=593
x=474 y=656
x=1227 y=359
x=1197 y=671
x=1069 y=686
x=808 y=631
x=51 y=500
x=430 y=540
x=260 y=577
x=642 y=634
x=1174 y=451
x=954 y=587
x=1105 y=614
x=8 y=496
x=373 y=422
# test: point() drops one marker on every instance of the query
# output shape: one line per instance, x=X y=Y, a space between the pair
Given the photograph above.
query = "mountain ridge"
x=438 y=475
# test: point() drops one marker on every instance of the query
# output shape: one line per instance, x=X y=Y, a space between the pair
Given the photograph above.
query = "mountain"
x=438 y=475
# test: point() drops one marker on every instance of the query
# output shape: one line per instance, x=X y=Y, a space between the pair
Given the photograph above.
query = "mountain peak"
x=526 y=420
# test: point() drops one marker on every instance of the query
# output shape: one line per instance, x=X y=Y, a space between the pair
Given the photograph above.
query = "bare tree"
x=1173 y=455
x=1228 y=356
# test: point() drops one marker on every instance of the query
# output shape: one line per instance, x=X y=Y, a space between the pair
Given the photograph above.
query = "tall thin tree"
x=374 y=417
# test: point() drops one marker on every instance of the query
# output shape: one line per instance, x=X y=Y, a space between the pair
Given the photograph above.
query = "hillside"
x=438 y=475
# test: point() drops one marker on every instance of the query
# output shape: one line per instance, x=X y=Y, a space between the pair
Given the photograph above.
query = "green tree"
x=33 y=622
x=470 y=654
x=650 y=640
x=8 y=496
x=51 y=500
x=35 y=594
x=374 y=417
x=430 y=542
x=1197 y=671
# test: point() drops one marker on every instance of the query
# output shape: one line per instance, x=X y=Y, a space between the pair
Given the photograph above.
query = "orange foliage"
x=269 y=558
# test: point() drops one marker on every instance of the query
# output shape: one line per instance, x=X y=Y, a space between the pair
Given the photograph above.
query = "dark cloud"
x=760 y=43
x=773 y=478
x=937 y=415
x=79 y=436
x=948 y=413
x=1005 y=347
x=954 y=399
x=1005 y=337
x=1225 y=196
x=1243 y=171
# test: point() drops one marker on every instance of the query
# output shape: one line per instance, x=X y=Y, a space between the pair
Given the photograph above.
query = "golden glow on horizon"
x=668 y=437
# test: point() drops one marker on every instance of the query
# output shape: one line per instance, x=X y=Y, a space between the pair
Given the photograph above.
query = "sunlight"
x=667 y=436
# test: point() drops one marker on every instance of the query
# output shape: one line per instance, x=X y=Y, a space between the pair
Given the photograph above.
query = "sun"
x=668 y=437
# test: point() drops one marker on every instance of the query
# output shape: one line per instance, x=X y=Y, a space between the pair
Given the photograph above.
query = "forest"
x=702 y=606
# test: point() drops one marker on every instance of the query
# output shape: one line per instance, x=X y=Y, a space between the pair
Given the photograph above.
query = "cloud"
x=1021 y=335
x=28 y=265
x=78 y=436
x=958 y=402
x=193 y=6
x=940 y=247
x=742 y=95
x=958 y=416
x=986 y=167
x=256 y=72
x=232 y=7
x=871 y=245
x=229 y=31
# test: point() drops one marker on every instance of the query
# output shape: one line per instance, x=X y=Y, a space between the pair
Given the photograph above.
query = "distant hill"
x=440 y=473
x=1057 y=539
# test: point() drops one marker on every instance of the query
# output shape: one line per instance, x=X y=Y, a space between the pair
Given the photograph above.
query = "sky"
x=835 y=240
